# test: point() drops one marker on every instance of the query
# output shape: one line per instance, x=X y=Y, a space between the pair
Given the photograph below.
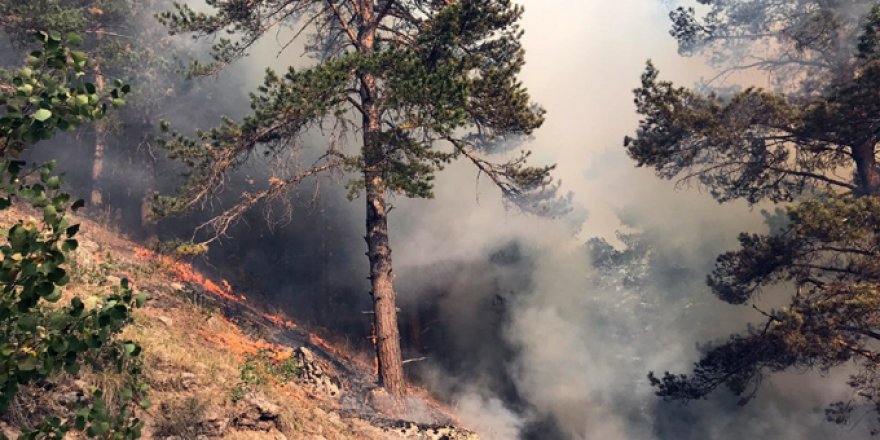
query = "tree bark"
x=866 y=168
x=382 y=280
x=378 y=249
x=97 y=196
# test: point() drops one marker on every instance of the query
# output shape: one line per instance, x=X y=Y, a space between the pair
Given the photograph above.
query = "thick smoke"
x=518 y=328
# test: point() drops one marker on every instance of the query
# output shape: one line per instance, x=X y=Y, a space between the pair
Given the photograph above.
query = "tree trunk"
x=866 y=168
x=97 y=196
x=148 y=222
x=378 y=248
x=381 y=275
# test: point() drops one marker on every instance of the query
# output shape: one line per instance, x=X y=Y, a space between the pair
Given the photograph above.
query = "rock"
x=70 y=398
x=430 y=432
x=315 y=376
x=215 y=425
x=8 y=431
x=254 y=412
x=318 y=413
x=333 y=419
x=166 y=320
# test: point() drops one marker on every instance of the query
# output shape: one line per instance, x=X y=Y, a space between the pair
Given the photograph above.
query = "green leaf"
x=54 y=296
x=27 y=323
x=42 y=115
x=130 y=347
x=74 y=39
x=53 y=182
x=72 y=231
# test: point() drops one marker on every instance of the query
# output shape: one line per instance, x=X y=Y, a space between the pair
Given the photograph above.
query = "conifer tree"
x=810 y=143
x=420 y=82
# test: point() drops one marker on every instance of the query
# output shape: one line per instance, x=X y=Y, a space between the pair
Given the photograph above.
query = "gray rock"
x=254 y=412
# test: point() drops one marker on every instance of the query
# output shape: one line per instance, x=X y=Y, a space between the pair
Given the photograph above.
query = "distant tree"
x=123 y=40
x=813 y=142
x=421 y=83
x=802 y=45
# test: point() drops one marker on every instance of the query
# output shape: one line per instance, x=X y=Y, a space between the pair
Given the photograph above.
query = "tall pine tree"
x=420 y=82
x=810 y=143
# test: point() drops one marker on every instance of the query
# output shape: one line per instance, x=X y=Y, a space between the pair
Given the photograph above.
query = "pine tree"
x=810 y=143
x=421 y=83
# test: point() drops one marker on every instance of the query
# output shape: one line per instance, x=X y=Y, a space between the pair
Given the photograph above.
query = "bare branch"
x=343 y=22
x=220 y=224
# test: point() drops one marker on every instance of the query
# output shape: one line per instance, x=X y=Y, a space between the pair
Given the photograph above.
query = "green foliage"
x=448 y=85
x=39 y=339
x=804 y=44
x=833 y=317
x=755 y=145
x=48 y=94
x=814 y=146
x=120 y=38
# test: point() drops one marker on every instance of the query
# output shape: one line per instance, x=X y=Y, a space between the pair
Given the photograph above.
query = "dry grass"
x=192 y=354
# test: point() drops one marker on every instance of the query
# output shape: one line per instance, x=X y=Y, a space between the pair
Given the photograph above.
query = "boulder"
x=256 y=413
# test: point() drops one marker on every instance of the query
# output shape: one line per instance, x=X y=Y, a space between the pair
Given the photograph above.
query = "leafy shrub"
x=39 y=339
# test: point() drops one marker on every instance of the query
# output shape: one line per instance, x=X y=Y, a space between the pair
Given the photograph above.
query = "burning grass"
x=234 y=341
x=185 y=272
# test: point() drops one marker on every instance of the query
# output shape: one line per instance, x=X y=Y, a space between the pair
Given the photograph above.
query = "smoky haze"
x=518 y=328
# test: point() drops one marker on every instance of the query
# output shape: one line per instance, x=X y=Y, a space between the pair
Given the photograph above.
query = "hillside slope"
x=218 y=366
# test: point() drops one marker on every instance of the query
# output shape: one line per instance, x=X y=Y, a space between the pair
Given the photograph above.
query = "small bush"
x=262 y=368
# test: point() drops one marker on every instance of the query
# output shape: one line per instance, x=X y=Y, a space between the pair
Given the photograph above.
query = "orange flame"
x=278 y=320
x=185 y=272
x=234 y=340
